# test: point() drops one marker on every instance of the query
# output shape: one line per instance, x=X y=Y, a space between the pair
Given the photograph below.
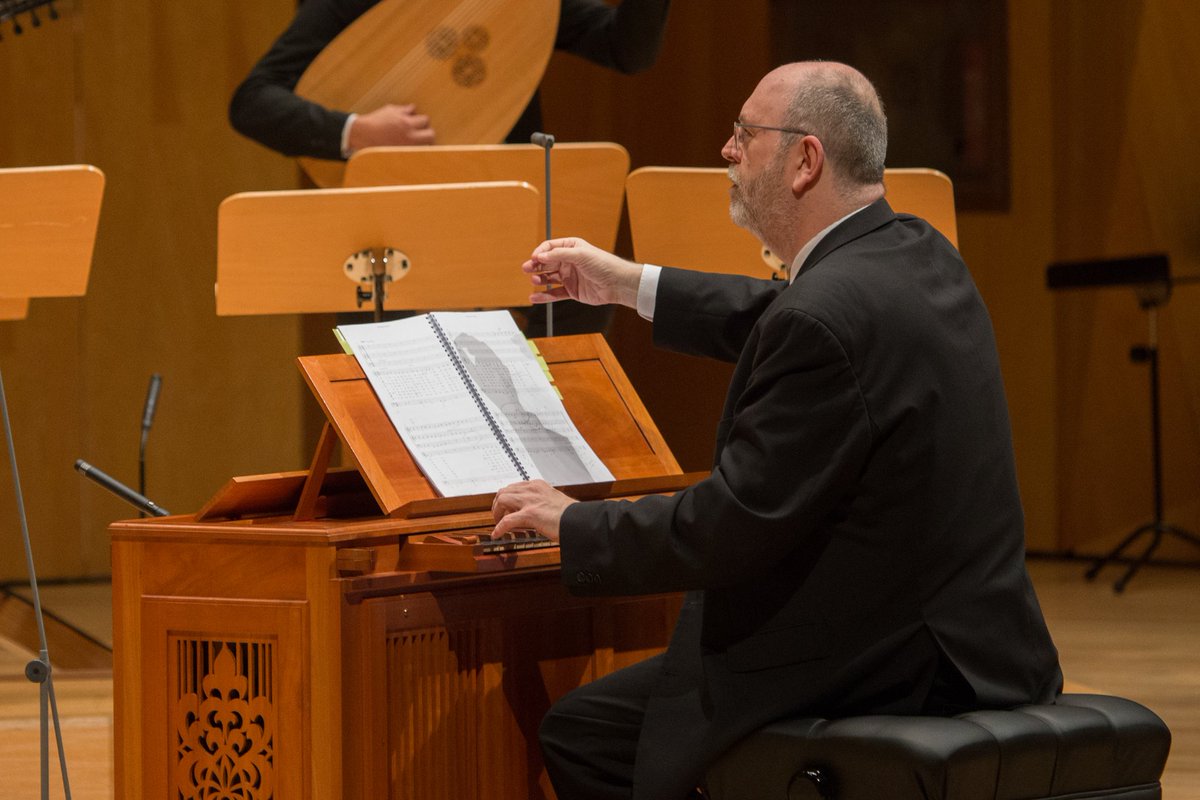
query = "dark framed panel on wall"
x=941 y=67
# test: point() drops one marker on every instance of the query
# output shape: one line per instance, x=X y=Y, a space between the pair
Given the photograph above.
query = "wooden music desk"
x=290 y=641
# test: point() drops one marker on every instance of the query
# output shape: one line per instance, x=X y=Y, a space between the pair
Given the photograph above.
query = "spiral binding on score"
x=474 y=392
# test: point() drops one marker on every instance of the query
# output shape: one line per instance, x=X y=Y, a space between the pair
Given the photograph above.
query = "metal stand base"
x=1157 y=530
x=1147 y=354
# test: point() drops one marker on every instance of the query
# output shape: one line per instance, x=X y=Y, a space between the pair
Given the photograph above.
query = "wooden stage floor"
x=1144 y=645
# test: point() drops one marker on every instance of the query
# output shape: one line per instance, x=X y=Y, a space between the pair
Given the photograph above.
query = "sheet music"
x=451 y=439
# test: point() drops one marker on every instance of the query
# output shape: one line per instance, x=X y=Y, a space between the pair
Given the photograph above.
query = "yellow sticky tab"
x=545 y=367
x=342 y=341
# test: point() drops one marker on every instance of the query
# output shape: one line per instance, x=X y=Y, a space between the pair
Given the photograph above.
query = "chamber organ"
x=336 y=633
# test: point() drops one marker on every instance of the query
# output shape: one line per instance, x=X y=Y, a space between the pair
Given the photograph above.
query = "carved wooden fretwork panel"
x=224 y=719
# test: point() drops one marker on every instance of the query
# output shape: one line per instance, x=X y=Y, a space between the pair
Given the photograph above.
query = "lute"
x=11 y=9
x=471 y=65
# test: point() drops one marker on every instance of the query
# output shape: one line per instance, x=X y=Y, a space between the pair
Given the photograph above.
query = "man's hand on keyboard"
x=529 y=505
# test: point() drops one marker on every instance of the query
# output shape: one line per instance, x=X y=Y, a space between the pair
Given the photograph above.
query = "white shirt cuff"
x=346 y=135
x=648 y=291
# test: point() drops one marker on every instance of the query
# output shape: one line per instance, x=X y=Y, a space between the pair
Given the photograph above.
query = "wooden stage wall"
x=1102 y=165
x=139 y=88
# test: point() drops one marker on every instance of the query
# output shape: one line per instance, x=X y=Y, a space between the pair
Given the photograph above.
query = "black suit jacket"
x=265 y=108
x=859 y=546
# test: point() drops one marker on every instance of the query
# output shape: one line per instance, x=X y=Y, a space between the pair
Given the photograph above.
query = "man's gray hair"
x=843 y=110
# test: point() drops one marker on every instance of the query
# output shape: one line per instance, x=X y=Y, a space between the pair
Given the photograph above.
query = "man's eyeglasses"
x=741 y=137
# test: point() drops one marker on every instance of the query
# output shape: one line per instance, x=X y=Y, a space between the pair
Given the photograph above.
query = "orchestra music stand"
x=13 y=308
x=587 y=186
x=584 y=197
x=705 y=238
x=452 y=246
x=1150 y=277
x=48 y=221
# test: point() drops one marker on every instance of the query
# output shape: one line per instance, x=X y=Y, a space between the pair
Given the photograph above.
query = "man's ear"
x=808 y=163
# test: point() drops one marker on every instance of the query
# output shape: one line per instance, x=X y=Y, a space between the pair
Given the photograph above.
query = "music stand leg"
x=37 y=671
x=1155 y=539
x=379 y=290
x=1114 y=554
x=44 y=729
x=1147 y=354
x=1158 y=530
x=1182 y=533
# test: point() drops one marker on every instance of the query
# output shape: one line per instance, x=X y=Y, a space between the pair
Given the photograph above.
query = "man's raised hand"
x=573 y=268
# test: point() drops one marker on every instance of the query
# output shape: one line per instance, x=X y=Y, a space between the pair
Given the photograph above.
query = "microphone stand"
x=546 y=142
x=1150 y=299
x=38 y=671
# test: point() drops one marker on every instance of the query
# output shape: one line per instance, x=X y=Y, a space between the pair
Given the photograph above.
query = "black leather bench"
x=1085 y=746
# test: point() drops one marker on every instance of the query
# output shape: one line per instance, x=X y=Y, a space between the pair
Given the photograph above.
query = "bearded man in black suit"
x=859 y=545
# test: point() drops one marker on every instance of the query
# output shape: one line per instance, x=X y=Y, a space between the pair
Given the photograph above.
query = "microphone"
x=151 y=405
x=122 y=491
x=147 y=420
x=546 y=142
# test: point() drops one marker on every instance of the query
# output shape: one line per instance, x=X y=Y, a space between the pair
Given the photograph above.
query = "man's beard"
x=751 y=204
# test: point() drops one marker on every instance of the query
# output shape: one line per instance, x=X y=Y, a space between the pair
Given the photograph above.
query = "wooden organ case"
x=311 y=634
